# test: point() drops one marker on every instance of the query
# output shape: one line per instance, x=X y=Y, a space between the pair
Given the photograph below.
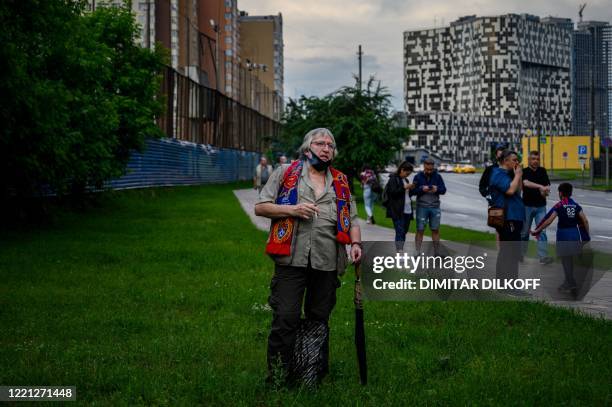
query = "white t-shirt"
x=408 y=202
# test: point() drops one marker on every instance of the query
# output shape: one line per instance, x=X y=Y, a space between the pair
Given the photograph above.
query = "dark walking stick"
x=360 y=329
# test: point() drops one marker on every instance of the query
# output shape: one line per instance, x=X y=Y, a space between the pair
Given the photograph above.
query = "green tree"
x=359 y=119
x=78 y=95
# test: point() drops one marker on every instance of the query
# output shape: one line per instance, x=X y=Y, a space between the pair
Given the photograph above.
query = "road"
x=463 y=206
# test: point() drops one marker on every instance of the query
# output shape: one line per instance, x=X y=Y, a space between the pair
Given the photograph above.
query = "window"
x=228 y=27
x=229 y=52
x=228 y=16
x=228 y=40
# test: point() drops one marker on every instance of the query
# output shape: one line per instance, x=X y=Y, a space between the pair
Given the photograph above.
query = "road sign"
x=543 y=140
x=582 y=150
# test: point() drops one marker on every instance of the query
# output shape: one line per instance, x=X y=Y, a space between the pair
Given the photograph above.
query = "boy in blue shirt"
x=572 y=233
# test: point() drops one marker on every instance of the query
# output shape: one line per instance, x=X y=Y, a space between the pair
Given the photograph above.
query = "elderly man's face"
x=263 y=161
x=323 y=147
x=428 y=168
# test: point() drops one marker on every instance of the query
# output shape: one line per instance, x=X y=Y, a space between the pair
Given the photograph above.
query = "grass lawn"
x=157 y=297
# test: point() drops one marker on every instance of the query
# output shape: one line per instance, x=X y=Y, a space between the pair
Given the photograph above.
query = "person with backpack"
x=370 y=186
x=396 y=198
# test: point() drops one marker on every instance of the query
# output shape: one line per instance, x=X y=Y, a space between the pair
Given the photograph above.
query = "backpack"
x=483 y=185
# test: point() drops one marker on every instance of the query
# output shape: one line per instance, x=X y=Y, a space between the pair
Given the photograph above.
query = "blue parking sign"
x=582 y=150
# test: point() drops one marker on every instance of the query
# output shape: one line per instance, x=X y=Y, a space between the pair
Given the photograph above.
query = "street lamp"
x=215 y=28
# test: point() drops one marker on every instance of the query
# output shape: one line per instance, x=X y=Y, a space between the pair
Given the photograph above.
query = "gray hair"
x=321 y=131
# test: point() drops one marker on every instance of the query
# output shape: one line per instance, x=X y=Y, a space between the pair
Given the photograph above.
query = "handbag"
x=496 y=217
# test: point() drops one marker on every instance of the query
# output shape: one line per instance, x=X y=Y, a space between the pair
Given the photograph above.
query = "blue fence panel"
x=167 y=162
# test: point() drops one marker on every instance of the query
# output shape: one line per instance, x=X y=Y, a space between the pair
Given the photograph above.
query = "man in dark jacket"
x=428 y=188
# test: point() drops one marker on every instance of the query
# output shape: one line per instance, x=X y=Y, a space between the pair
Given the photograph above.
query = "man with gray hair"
x=313 y=219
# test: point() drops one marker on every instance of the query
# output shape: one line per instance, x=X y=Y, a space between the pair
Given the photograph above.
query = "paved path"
x=598 y=302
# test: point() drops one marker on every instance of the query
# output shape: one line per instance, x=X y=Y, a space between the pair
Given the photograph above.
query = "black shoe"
x=567 y=289
x=546 y=260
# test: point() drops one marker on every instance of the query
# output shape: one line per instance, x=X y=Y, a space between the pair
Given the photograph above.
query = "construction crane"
x=580 y=10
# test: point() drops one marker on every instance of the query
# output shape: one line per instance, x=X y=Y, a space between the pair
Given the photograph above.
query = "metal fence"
x=202 y=115
x=210 y=139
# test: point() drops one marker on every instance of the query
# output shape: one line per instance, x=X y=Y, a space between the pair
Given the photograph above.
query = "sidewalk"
x=598 y=302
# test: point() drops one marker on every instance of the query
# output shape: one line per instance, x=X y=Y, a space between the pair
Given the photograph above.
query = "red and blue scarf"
x=281 y=231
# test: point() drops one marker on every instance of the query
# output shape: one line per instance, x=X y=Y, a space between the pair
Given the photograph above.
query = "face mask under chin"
x=317 y=163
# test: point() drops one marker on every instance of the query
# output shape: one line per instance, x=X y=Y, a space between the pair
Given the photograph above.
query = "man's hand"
x=518 y=171
x=425 y=188
x=305 y=210
x=409 y=186
x=434 y=189
x=356 y=253
x=544 y=190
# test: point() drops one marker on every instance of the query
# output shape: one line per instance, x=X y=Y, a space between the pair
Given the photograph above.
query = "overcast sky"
x=321 y=36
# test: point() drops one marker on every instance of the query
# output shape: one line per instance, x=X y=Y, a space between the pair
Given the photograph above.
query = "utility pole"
x=359 y=54
x=592 y=91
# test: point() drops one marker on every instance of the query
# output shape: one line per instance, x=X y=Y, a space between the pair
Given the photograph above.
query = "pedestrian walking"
x=370 y=186
x=396 y=198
